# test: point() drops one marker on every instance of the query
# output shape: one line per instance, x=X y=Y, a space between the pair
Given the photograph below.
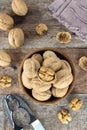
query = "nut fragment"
x=5 y=81
x=83 y=63
x=75 y=104
x=6 y=21
x=64 y=116
x=63 y=37
x=41 y=28
x=16 y=37
x=19 y=7
x=46 y=74
x=5 y=58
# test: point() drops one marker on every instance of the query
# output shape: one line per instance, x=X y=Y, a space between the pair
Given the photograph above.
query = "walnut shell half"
x=63 y=37
x=83 y=63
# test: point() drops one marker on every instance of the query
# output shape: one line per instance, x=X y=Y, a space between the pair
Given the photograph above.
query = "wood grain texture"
x=38 y=13
x=47 y=114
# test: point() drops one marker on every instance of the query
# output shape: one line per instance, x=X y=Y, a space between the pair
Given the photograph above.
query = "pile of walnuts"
x=16 y=35
x=47 y=75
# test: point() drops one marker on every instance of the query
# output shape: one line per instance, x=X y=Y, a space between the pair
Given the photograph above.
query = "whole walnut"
x=53 y=63
x=5 y=58
x=59 y=92
x=16 y=37
x=64 y=79
x=6 y=21
x=31 y=67
x=83 y=62
x=19 y=7
x=48 y=54
x=41 y=96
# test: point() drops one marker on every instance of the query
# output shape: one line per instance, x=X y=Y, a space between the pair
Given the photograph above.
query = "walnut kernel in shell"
x=63 y=37
x=41 y=28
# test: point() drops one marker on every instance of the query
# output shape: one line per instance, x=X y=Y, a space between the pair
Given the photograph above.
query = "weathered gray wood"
x=38 y=13
x=47 y=114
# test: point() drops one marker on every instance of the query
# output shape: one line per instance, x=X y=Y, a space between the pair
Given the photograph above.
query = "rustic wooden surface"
x=38 y=12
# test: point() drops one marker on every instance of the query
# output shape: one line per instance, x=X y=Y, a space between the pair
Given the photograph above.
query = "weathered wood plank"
x=38 y=13
x=47 y=114
x=18 y=55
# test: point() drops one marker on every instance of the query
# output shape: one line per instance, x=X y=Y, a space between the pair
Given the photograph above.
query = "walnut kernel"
x=46 y=74
x=41 y=28
x=75 y=104
x=5 y=81
x=64 y=116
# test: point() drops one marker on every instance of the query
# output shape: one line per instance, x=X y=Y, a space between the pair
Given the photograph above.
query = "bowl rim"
x=39 y=50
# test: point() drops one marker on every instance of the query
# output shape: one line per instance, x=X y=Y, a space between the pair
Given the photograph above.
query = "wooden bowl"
x=60 y=54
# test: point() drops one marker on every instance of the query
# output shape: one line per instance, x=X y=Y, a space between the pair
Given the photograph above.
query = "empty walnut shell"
x=19 y=7
x=6 y=21
x=37 y=57
x=83 y=63
x=63 y=37
x=39 y=86
x=16 y=37
x=41 y=28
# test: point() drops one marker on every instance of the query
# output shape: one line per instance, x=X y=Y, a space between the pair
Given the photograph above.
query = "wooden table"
x=39 y=13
